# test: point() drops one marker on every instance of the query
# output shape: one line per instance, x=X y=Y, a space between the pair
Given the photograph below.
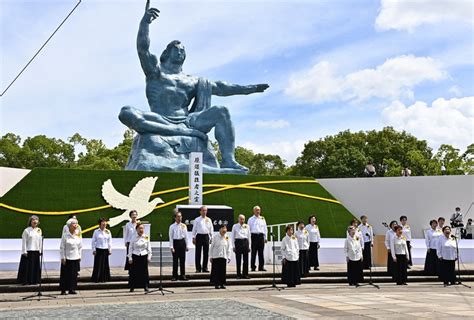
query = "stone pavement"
x=321 y=301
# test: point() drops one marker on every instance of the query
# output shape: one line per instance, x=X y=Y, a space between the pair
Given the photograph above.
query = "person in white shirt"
x=407 y=233
x=354 y=257
x=258 y=231
x=178 y=236
x=101 y=249
x=388 y=237
x=29 y=271
x=139 y=255
x=367 y=234
x=129 y=234
x=469 y=229
x=241 y=237
x=447 y=254
x=314 y=240
x=221 y=249
x=456 y=218
x=290 y=274
x=202 y=235
x=399 y=254
x=70 y=251
x=431 y=238
x=303 y=243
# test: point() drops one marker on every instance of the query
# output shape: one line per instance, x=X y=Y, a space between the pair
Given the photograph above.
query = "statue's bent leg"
x=147 y=122
x=218 y=117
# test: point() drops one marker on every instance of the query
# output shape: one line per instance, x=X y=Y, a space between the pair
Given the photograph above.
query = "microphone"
x=453 y=236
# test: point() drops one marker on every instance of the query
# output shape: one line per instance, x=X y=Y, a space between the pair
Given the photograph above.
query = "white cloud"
x=272 y=124
x=393 y=79
x=409 y=14
x=445 y=121
x=288 y=150
x=455 y=90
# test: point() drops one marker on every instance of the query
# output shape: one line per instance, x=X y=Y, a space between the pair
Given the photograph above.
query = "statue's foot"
x=232 y=164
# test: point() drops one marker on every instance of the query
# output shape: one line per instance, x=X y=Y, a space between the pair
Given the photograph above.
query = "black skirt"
x=447 y=271
x=313 y=255
x=304 y=262
x=68 y=275
x=367 y=254
x=431 y=263
x=138 y=275
x=290 y=274
x=355 y=273
x=400 y=269
x=218 y=271
x=101 y=271
x=127 y=265
x=29 y=271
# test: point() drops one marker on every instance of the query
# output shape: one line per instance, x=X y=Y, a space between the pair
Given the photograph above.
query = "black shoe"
x=183 y=278
x=198 y=271
x=357 y=285
x=132 y=289
x=216 y=287
x=262 y=269
x=146 y=289
x=63 y=293
x=239 y=276
x=245 y=277
x=253 y=269
x=72 y=292
x=205 y=270
x=316 y=269
x=408 y=267
x=174 y=279
x=222 y=287
x=405 y=284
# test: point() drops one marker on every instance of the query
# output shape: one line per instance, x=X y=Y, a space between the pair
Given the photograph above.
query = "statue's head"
x=174 y=53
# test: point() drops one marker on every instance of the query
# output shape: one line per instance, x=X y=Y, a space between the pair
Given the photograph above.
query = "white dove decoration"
x=138 y=199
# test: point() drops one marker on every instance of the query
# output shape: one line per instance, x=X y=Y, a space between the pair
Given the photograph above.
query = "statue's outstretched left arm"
x=221 y=88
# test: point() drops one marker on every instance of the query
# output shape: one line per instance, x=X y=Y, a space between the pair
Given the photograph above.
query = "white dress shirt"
x=71 y=246
x=241 y=231
x=406 y=231
x=101 y=240
x=140 y=246
x=446 y=248
x=353 y=248
x=31 y=240
x=367 y=232
x=202 y=226
x=78 y=229
x=398 y=245
x=303 y=239
x=258 y=225
x=289 y=248
x=314 y=235
x=178 y=231
x=221 y=247
x=129 y=232
x=388 y=237
x=431 y=238
x=359 y=236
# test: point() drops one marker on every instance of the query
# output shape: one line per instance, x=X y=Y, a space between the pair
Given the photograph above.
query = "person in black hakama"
x=303 y=243
x=388 y=237
x=220 y=251
x=354 y=257
x=290 y=274
x=70 y=251
x=431 y=238
x=314 y=239
x=139 y=255
x=29 y=271
x=101 y=249
x=399 y=254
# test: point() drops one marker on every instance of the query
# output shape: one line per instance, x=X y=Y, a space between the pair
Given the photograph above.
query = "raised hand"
x=150 y=13
x=261 y=87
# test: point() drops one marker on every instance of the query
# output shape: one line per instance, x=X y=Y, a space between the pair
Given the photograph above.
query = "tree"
x=451 y=159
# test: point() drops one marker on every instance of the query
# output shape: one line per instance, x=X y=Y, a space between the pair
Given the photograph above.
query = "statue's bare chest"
x=178 y=83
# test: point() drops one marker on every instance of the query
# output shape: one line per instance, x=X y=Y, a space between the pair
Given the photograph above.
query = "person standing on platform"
x=368 y=236
x=431 y=239
x=469 y=229
x=29 y=271
x=388 y=237
x=441 y=222
x=202 y=235
x=407 y=233
x=400 y=255
x=354 y=257
x=139 y=256
x=314 y=240
x=78 y=229
x=70 y=251
x=178 y=246
x=258 y=230
x=303 y=243
x=241 y=237
x=290 y=274
x=129 y=234
x=101 y=249
x=447 y=255
x=221 y=249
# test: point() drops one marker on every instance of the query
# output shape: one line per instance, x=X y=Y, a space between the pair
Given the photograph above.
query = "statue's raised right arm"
x=148 y=61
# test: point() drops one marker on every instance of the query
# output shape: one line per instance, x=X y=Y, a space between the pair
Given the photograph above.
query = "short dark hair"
x=433 y=221
x=446 y=227
x=102 y=220
x=166 y=53
x=311 y=217
x=288 y=227
x=299 y=222
x=403 y=217
x=362 y=217
x=457 y=208
x=392 y=223
x=132 y=211
x=354 y=220
x=441 y=218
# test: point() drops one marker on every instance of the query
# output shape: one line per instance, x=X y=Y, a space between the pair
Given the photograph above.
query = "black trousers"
x=304 y=262
x=400 y=268
x=101 y=271
x=127 y=266
x=218 y=271
x=290 y=274
x=179 y=255
x=68 y=275
x=313 y=255
x=202 y=245
x=354 y=272
x=410 y=261
x=138 y=275
x=390 y=264
x=432 y=263
x=447 y=271
x=258 y=245
x=242 y=250
x=367 y=254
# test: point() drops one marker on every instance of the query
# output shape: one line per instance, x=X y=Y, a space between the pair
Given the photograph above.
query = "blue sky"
x=331 y=66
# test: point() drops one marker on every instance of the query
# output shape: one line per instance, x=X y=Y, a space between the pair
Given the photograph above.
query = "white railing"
x=278 y=229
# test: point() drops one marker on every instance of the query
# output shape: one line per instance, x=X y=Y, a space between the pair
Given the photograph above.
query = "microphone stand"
x=40 y=294
x=274 y=285
x=160 y=286
x=459 y=283
x=371 y=283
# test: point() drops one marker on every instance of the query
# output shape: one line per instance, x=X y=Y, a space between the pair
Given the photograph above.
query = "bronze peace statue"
x=174 y=127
